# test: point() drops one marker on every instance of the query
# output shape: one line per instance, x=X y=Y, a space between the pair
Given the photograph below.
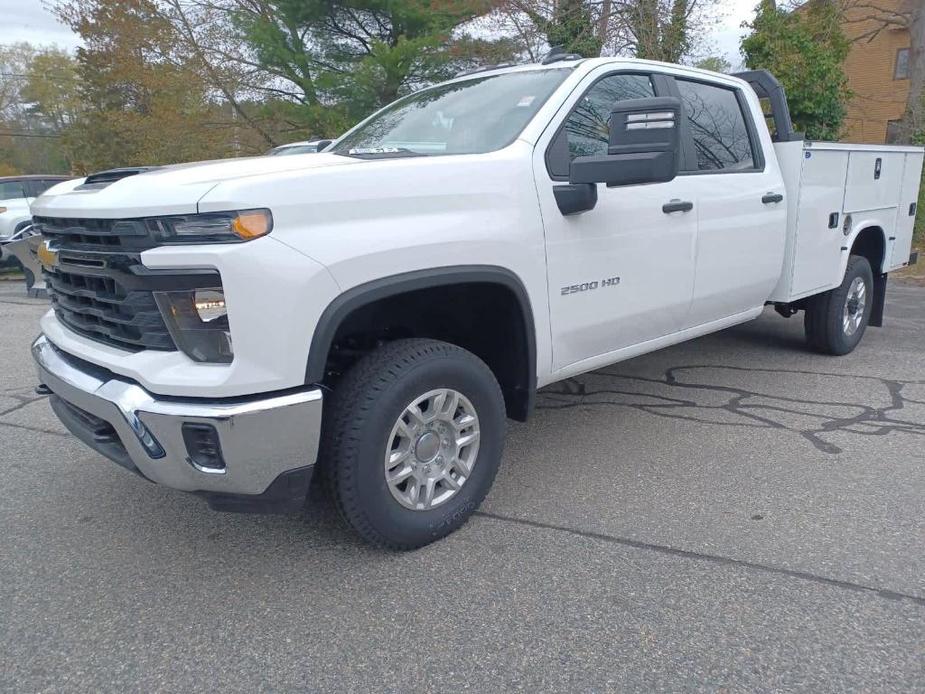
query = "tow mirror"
x=644 y=145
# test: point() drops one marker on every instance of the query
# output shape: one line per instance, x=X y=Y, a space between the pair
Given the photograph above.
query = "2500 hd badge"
x=590 y=286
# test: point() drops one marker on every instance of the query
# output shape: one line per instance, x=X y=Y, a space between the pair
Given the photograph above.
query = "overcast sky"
x=28 y=20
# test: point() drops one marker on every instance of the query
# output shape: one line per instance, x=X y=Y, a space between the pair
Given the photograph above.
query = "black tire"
x=823 y=321
x=359 y=416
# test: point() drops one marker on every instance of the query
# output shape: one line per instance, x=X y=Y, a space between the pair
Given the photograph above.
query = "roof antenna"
x=557 y=54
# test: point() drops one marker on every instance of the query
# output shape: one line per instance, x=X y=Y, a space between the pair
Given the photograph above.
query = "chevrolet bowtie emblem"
x=47 y=257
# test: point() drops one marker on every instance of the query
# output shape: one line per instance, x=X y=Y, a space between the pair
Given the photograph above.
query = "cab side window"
x=717 y=127
x=10 y=190
x=586 y=131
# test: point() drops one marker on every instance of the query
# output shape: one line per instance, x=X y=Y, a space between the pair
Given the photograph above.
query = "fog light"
x=203 y=447
x=198 y=323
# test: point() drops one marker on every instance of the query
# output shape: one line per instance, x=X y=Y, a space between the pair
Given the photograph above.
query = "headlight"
x=212 y=227
x=198 y=322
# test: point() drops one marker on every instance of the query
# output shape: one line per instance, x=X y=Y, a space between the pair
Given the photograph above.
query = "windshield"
x=471 y=117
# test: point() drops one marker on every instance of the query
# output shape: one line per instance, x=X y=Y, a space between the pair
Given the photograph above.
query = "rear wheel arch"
x=871 y=243
x=509 y=348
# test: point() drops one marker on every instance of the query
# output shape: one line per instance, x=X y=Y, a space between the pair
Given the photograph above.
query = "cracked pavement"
x=730 y=514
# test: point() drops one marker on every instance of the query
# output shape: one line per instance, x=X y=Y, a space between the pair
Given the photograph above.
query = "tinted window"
x=717 y=127
x=588 y=126
x=12 y=189
x=39 y=186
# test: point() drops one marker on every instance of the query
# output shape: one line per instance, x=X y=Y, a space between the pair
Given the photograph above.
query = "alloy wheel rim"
x=432 y=449
x=855 y=303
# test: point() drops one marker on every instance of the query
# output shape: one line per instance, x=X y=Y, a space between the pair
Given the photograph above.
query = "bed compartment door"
x=873 y=180
x=905 y=222
x=817 y=246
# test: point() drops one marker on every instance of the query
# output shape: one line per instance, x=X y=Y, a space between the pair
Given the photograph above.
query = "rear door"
x=738 y=198
x=622 y=273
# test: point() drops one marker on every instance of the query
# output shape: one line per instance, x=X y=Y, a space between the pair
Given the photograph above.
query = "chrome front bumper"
x=269 y=443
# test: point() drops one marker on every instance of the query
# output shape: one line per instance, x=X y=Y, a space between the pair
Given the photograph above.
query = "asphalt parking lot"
x=732 y=514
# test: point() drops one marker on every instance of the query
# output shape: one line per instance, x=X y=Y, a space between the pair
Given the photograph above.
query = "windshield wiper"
x=378 y=152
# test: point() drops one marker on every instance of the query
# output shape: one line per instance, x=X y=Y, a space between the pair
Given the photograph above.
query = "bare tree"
x=668 y=30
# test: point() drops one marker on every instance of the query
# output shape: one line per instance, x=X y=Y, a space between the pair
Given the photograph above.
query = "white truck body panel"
x=341 y=222
x=226 y=327
x=905 y=212
x=842 y=179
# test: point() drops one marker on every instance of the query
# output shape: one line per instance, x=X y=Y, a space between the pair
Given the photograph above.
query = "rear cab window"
x=724 y=141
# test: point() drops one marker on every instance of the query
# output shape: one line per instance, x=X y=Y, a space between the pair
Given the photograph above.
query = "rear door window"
x=717 y=126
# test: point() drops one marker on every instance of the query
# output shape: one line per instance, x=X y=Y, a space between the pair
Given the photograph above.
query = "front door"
x=622 y=273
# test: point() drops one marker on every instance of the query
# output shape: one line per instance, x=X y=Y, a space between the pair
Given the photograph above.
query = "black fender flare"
x=356 y=297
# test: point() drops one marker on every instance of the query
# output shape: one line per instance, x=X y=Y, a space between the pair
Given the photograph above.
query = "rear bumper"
x=268 y=444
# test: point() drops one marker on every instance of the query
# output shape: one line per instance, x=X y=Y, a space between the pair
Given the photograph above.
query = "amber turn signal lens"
x=252 y=224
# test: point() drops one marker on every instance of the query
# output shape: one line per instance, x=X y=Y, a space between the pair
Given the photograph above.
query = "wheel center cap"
x=427 y=447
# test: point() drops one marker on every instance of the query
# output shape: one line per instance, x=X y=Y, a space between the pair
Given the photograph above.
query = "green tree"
x=137 y=108
x=52 y=89
x=570 y=26
x=37 y=102
x=805 y=49
x=357 y=55
x=660 y=28
x=714 y=63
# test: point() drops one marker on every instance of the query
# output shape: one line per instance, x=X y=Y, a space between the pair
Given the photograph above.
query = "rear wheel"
x=835 y=321
x=413 y=440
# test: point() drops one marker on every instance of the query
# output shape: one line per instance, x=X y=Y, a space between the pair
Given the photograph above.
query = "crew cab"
x=377 y=310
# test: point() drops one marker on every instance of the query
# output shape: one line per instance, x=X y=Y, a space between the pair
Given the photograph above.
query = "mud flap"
x=876 y=312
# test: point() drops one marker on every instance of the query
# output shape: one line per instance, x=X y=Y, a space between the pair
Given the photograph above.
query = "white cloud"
x=29 y=20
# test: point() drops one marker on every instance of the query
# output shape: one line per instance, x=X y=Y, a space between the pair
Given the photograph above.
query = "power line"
x=11 y=134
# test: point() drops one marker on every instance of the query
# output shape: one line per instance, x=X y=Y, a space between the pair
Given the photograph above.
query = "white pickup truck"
x=377 y=310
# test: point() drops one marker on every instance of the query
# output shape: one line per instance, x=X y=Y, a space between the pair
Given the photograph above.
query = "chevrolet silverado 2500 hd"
x=377 y=310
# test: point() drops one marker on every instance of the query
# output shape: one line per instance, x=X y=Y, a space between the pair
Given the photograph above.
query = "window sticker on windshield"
x=525 y=101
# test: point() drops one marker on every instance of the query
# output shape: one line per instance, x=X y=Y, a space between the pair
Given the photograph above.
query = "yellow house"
x=878 y=74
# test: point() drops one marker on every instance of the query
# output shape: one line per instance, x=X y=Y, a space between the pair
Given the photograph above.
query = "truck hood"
x=174 y=189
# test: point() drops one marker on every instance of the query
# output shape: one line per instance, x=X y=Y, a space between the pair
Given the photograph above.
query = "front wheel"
x=413 y=438
x=835 y=320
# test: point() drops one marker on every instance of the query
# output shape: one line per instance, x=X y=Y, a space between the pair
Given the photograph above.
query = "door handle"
x=677 y=206
x=771 y=198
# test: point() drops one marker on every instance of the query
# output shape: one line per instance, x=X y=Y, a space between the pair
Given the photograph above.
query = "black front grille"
x=96 y=234
x=101 y=290
x=102 y=309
